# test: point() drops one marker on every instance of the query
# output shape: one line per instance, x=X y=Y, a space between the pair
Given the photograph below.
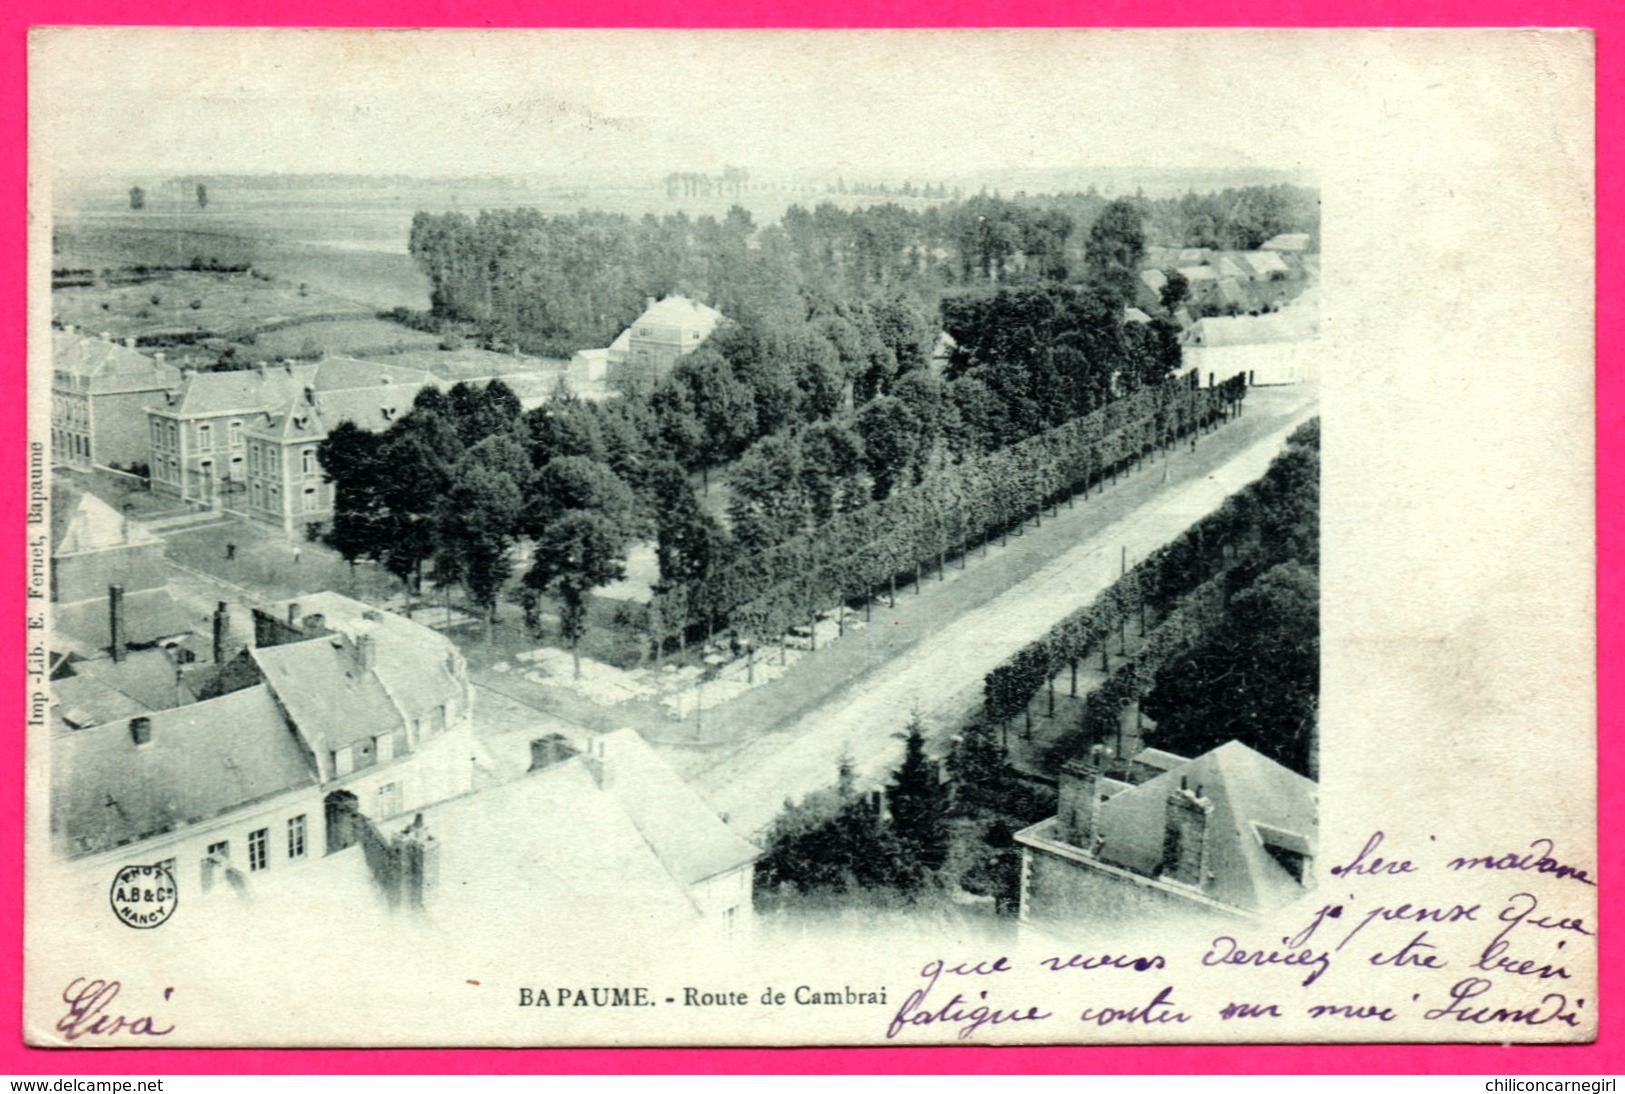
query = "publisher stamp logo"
x=143 y=896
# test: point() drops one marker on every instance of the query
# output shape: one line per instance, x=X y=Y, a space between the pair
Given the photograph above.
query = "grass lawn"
x=273 y=567
x=189 y=302
x=345 y=337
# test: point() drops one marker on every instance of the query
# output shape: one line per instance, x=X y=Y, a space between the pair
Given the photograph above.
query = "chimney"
x=417 y=860
x=648 y=302
x=141 y=730
x=1185 y=856
x=259 y=369
x=597 y=761
x=315 y=623
x=115 y=619
x=1080 y=798
x=293 y=615
x=187 y=372
x=547 y=751
x=160 y=356
x=222 y=627
x=129 y=341
x=106 y=336
x=366 y=651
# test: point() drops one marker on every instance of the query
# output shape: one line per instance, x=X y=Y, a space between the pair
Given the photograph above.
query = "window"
x=343 y=762
x=309 y=457
x=296 y=837
x=389 y=799
x=385 y=744
x=313 y=502
x=236 y=434
x=258 y=840
x=172 y=434
x=254 y=457
x=221 y=850
x=158 y=433
x=168 y=864
x=256 y=494
x=205 y=438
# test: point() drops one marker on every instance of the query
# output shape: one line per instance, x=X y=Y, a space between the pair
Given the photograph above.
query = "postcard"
x=810 y=537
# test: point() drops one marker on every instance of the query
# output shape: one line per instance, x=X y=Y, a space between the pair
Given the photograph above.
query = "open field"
x=190 y=303
x=340 y=337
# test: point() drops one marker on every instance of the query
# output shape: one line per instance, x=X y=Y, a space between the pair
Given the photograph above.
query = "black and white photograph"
x=678 y=537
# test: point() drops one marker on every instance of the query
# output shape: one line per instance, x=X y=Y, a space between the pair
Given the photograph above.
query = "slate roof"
x=680 y=311
x=550 y=851
x=147 y=677
x=1291 y=325
x=1265 y=262
x=1245 y=789
x=149 y=615
x=203 y=394
x=204 y=760
x=691 y=841
x=585 y=848
x=104 y=367
x=417 y=668
x=1287 y=241
x=327 y=695
x=83 y=701
x=84 y=522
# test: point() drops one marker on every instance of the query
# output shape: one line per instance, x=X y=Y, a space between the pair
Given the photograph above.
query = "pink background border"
x=1606 y=1056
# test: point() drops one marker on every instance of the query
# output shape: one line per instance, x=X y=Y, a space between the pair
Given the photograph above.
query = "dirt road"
x=942 y=674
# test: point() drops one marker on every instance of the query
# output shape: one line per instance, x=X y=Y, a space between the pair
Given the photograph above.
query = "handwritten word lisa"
x=88 y=1002
x=920 y=1009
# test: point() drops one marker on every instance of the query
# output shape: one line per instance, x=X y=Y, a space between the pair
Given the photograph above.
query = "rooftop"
x=414 y=669
x=82 y=522
x=105 y=366
x=1254 y=800
x=647 y=833
x=202 y=760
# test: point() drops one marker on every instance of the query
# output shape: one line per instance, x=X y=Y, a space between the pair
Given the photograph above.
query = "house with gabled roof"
x=344 y=715
x=1230 y=834
x=246 y=440
x=602 y=832
x=667 y=330
x=100 y=389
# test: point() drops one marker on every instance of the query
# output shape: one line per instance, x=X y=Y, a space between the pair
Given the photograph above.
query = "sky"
x=876 y=105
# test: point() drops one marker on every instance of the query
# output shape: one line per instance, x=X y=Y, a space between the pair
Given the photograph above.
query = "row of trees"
x=1234 y=653
x=852 y=555
x=556 y=284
